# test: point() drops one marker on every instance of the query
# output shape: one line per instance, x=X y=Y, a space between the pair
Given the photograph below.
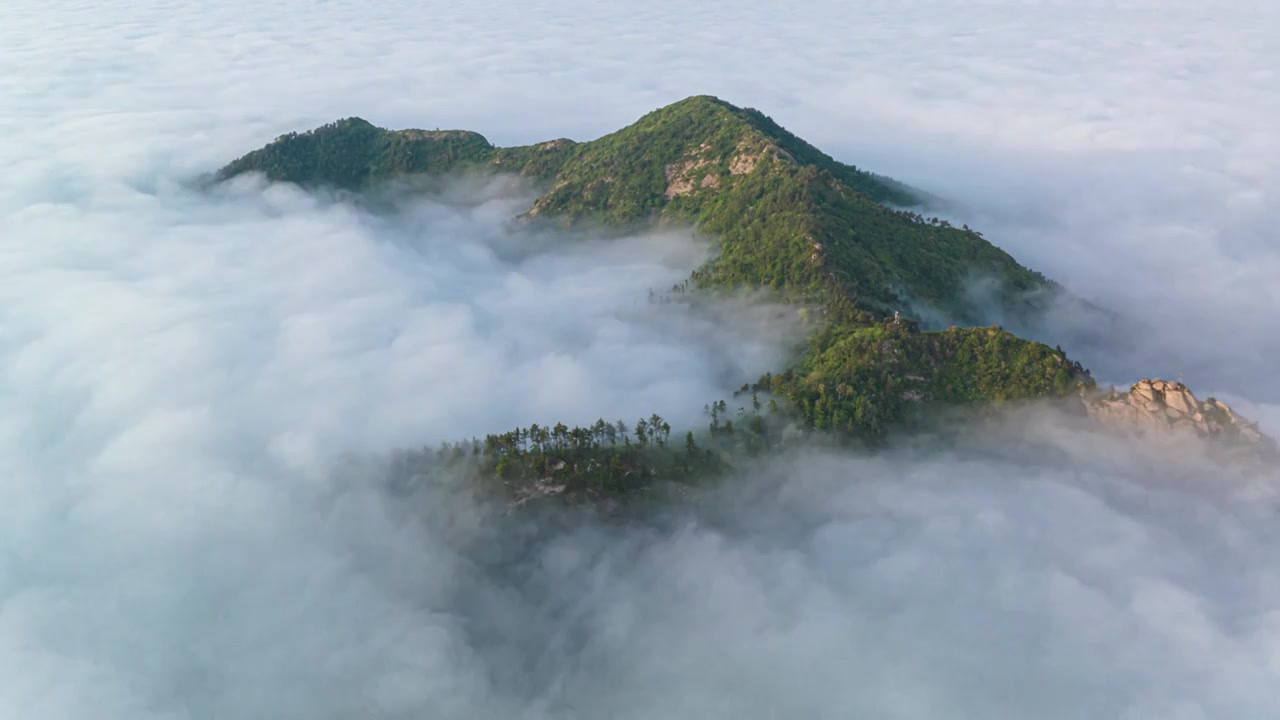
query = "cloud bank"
x=180 y=370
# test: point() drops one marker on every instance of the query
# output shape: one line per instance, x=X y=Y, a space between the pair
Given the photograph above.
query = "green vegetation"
x=838 y=241
x=352 y=153
x=786 y=215
x=605 y=459
x=853 y=385
x=864 y=380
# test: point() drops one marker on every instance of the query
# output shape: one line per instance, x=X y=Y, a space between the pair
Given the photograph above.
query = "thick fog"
x=182 y=373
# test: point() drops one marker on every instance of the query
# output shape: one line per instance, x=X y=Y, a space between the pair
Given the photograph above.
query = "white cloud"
x=178 y=371
x=181 y=370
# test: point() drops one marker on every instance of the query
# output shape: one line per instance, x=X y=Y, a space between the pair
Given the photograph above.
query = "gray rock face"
x=1169 y=408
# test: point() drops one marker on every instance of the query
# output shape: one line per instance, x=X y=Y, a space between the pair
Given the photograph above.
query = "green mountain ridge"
x=843 y=244
x=786 y=215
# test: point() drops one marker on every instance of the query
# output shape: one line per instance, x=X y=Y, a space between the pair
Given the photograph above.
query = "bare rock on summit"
x=1169 y=409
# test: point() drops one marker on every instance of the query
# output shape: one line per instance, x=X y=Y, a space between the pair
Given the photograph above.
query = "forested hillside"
x=836 y=240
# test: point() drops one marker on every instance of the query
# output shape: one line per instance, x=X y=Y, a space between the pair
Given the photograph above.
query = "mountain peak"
x=697 y=101
x=715 y=118
x=787 y=215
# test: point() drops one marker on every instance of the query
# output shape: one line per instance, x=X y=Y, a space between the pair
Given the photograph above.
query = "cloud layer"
x=179 y=371
x=1125 y=150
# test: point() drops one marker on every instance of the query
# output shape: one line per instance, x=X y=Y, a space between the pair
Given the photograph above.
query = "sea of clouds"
x=180 y=370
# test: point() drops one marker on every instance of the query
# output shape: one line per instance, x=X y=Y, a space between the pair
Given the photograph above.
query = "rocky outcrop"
x=1163 y=408
x=682 y=177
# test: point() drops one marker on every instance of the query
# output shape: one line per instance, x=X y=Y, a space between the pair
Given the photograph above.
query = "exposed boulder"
x=1170 y=409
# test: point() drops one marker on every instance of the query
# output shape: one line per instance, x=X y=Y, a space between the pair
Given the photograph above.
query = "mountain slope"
x=824 y=235
x=860 y=379
x=786 y=217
